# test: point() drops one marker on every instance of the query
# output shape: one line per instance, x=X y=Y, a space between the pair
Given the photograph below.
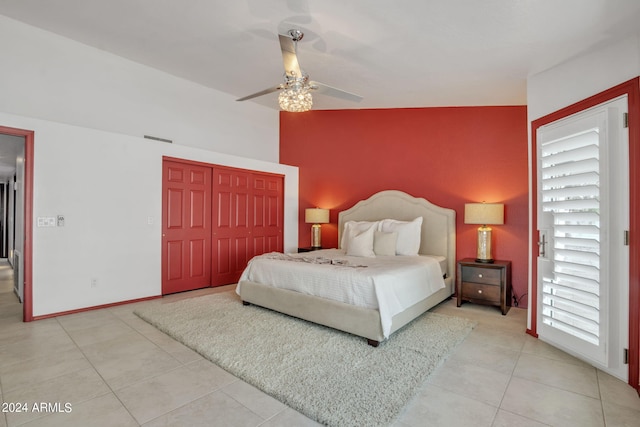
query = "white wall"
x=107 y=186
x=582 y=77
x=50 y=77
x=578 y=79
x=89 y=110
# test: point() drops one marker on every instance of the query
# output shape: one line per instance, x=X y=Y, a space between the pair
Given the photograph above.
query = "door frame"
x=27 y=301
x=631 y=88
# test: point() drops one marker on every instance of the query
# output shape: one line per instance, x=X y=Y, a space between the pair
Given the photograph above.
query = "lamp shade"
x=484 y=213
x=316 y=216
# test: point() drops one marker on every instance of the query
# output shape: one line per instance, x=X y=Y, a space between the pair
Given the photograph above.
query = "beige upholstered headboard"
x=438 y=224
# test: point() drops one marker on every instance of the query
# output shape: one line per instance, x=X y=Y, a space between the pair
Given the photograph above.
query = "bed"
x=436 y=245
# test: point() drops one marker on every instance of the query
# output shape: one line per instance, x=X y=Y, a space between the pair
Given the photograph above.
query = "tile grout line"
x=604 y=418
x=250 y=410
x=511 y=376
x=46 y=415
x=183 y=364
x=106 y=383
x=157 y=346
x=219 y=389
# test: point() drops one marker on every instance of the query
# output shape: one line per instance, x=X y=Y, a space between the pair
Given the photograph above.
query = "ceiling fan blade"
x=262 y=92
x=335 y=92
x=289 y=57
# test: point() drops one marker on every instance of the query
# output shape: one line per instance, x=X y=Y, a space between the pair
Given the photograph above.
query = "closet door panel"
x=232 y=230
x=268 y=213
x=186 y=227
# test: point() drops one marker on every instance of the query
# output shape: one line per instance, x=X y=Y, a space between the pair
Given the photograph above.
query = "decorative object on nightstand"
x=316 y=216
x=484 y=214
x=483 y=283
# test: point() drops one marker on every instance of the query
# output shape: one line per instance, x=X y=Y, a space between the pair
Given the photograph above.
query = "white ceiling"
x=396 y=54
x=407 y=53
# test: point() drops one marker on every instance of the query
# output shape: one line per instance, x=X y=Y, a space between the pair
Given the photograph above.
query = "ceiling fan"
x=296 y=88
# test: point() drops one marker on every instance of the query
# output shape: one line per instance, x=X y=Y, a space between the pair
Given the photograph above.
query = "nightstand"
x=308 y=249
x=484 y=283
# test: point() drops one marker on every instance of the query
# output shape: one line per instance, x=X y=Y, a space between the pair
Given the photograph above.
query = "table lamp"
x=316 y=216
x=484 y=214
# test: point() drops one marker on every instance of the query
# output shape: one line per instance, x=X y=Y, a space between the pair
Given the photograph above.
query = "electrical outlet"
x=94 y=283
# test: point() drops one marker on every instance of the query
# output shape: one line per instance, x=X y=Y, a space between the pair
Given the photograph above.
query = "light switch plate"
x=46 y=221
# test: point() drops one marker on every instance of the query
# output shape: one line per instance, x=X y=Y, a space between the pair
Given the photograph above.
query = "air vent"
x=155 y=138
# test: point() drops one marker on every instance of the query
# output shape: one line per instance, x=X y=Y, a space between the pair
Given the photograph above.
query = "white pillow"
x=357 y=227
x=361 y=243
x=409 y=233
x=385 y=243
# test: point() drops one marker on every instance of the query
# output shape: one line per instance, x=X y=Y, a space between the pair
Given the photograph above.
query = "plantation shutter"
x=570 y=176
x=582 y=209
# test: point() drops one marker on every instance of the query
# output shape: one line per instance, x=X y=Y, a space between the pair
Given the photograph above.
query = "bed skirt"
x=360 y=321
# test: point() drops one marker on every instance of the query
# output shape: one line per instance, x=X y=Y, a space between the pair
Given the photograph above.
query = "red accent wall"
x=448 y=155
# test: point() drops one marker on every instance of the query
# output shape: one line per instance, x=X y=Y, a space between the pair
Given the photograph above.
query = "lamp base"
x=316 y=236
x=483 y=254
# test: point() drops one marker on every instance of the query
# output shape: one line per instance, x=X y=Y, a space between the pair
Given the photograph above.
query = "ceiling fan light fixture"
x=295 y=99
x=295 y=95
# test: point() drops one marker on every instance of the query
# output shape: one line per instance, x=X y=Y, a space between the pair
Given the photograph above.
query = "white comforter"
x=389 y=284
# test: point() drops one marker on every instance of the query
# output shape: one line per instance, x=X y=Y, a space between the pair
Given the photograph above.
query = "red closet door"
x=186 y=227
x=268 y=206
x=232 y=211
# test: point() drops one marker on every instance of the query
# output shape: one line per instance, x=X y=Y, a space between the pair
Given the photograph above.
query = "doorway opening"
x=630 y=89
x=22 y=255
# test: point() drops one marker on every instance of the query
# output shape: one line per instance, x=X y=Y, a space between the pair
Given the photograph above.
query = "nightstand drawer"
x=478 y=291
x=489 y=276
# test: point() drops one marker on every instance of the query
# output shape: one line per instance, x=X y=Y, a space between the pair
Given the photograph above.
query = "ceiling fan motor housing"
x=296 y=35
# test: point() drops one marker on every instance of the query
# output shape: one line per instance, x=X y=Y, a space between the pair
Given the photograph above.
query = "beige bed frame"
x=438 y=238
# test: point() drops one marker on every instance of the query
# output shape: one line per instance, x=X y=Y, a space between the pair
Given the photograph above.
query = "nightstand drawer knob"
x=479 y=291
x=479 y=275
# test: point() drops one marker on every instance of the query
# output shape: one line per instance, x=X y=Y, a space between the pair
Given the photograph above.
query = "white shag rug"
x=330 y=376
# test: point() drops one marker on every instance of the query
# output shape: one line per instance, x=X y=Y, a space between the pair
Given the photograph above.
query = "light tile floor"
x=116 y=370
